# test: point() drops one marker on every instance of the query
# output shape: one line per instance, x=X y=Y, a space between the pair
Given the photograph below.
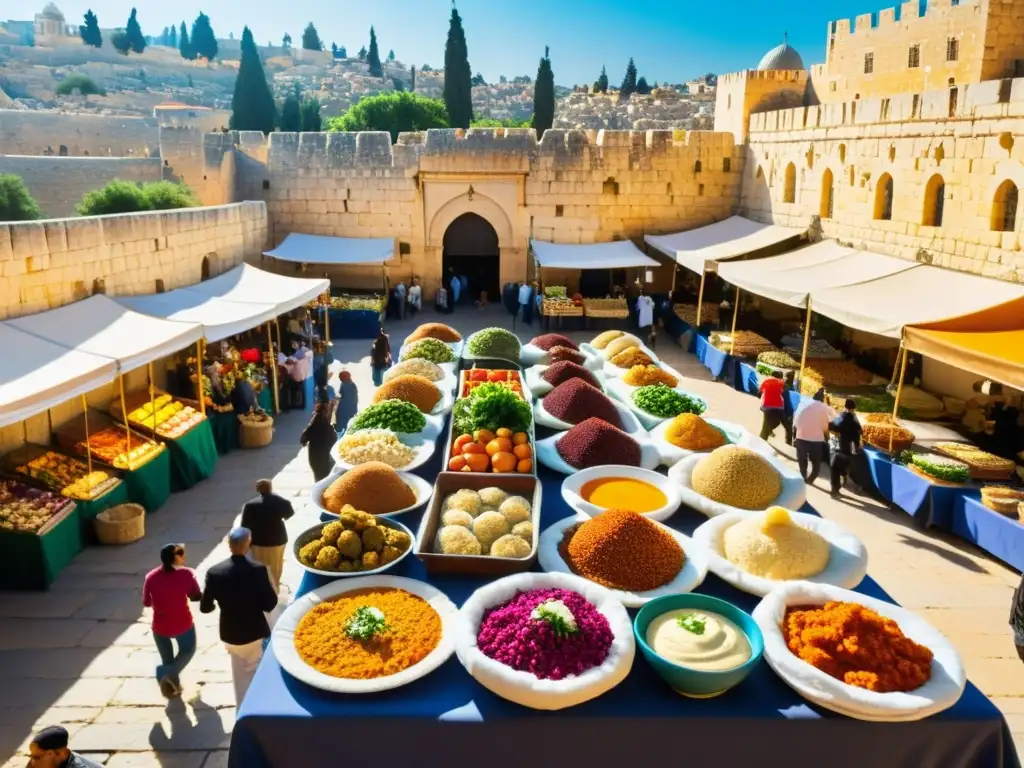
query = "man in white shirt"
x=415 y=297
x=644 y=311
x=811 y=422
x=524 y=303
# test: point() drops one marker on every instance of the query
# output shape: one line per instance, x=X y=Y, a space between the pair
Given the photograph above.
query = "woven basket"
x=122 y=524
x=1001 y=499
x=255 y=434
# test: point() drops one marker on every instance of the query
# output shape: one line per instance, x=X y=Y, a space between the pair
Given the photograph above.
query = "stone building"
x=50 y=26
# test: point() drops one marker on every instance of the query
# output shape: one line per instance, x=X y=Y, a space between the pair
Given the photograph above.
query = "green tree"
x=185 y=45
x=412 y=71
x=90 y=31
x=362 y=53
x=334 y=50
x=204 y=41
x=121 y=42
x=83 y=84
x=394 y=113
x=172 y=41
x=16 y=204
x=136 y=40
x=311 y=39
x=129 y=197
x=493 y=122
x=477 y=79
x=252 y=106
x=544 y=96
x=290 y=120
x=342 y=53
x=391 y=55
x=167 y=195
x=309 y=114
x=628 y=87
x=398 y=84
x=458 y=92
x=373 y=56
x=286 y=41
x=602 y=81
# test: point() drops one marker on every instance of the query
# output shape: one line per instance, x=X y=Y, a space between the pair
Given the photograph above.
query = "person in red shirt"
x=167 y=590
x=773 y=407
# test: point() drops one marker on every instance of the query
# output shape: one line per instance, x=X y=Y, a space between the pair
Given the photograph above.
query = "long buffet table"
x=447 y=719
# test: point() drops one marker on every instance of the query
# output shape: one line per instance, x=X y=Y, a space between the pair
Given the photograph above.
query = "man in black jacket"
x=245 y=595
x=264 y=516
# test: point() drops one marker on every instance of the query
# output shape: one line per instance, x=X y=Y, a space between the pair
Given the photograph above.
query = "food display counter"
x=40 y=533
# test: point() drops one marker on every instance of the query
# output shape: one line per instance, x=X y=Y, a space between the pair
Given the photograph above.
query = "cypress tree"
x=391 y=55
x=286 y=41
x=342 y=52
x=309 y=114
x=373 y=56
x=602 y=81
x=90 y=31
x=334 y=50
x=544 y=96
x=185 y=45
x=291 y=120
x=362 y=53
x=204 y=42
x=311 y=38
x=642 y=87
x=252 y=106
x=173 y=39
x=136 y=40
x=628 y=87
x=458 y=93
x=413 y=71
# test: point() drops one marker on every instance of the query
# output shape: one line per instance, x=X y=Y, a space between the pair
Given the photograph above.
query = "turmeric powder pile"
x=648 y=375
x=690 y=432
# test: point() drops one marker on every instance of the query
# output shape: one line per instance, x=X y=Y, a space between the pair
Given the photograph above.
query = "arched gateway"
x=471 y=249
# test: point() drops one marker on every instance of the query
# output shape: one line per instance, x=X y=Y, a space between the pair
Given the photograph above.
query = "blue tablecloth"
x=747 y=379
x=930 y=504
x=714 y=359
x=354 y=323
x=997 y=534
x=447 y=719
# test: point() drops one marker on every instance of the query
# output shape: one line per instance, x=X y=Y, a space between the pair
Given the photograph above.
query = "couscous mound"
x=738 y=477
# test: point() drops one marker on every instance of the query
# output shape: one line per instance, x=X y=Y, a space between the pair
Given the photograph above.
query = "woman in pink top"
x=167 y=591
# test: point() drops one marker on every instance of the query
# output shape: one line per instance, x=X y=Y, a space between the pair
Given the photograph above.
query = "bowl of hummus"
x=700 y=645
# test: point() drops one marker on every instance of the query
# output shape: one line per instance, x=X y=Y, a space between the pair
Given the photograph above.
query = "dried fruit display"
x=688 y=313
x=983 y=465
x=887 y=436
x=67 y=476
x=26 y=510
x=172 y=420
x=820 y=372
x=606 y=308
x=742 y=343
x=116 y=447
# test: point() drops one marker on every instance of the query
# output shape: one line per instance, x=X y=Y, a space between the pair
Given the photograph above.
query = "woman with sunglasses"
x=168 y=590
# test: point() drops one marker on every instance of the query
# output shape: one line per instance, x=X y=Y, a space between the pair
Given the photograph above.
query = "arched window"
x=1004 y=208
x=883 y=198
x=827 y=194
x=789 y=190
x=934 y=200
x=205 y=274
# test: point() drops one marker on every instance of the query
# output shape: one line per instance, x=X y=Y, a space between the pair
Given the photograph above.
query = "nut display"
x=26 y=510
x=113 y=446
x=67 y=476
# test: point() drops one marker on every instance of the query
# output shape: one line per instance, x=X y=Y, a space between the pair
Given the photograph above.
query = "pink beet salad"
x=551 y=633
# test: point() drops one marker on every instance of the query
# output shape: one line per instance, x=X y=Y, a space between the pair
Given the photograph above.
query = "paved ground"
x=82 y=655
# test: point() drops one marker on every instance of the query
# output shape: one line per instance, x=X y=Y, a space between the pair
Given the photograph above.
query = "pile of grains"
x=373 y=487
x=411 y=630
x=691 y=432
x=631 y=357
x=624 y=550
x=429 y=349
x=438 y=331
x=560 y=372
x=737 y=476
x=375 y=445
x=649 y=375
x=417 y=390
x=549 y=340
x=594 y=443
x=509 y=634
x=621 y=344
x=575 y=400
x=602 y=340
x=415 y=367
x=556 y=354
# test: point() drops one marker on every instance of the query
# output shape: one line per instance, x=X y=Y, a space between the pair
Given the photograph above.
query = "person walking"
x=348 y=402
x=320 y=437
x=415 y=297
x=1017 y=618
x=168 y=590
x=845 y=438
x=400 y=294
x=773 y=407
x=525 y=305
x=811 y=424
x=242 y=590
x=49 y=749
x=454 y=289
x=380 y=357
x=645 y=313
x=264 y=516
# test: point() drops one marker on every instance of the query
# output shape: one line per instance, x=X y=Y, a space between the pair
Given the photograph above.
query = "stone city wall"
x=965 y=145
x=59 y=183
x=33 y=132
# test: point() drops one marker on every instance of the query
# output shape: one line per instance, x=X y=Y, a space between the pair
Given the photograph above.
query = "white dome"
x=782 y=57
x=51 y=11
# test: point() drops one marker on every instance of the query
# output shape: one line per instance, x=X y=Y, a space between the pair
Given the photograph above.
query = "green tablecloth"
x=225 y=430
x=87 y=510
x=28 y=561
x=150 y=484
x=266 y=400
x=193 y=457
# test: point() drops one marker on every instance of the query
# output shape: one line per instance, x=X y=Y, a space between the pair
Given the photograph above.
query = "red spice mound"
x=595 y=443
x=858 y=646
x=562 y=371
x=556 y=354
x=575 y=400
x=549 y=340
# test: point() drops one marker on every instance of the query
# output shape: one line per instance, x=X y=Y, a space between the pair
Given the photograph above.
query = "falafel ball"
x=327 y=559
x=370 y=561
x=308 y=553
x=373 y=539
x=400 y=540
x=329 y=533
x=349 y=545
x=355 y=520
x=389 y=555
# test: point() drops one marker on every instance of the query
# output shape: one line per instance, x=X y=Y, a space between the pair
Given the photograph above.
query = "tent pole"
x=735 y=315
x=327 y=321
x=899 y=391
x=88 y=449
x=152 y=398
x=896 y=366
x=127 y=429
x=700 y=301
x=807 y=341
x=199 y=376
x=277 y=325
x=273 y=369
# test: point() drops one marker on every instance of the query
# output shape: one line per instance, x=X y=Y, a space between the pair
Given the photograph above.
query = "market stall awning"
x=792 y=277
x=989 y=343
x=917 y=296
x=321 y=249
x=220 y=319
x=250 y=285
x=729 y=239
x=100 y=326
x=620 y=254
x=37 y=374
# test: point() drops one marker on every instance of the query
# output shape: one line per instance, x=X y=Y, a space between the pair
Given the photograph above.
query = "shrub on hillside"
x=394 y=113
x=16 y=204
x=166 y=196
x=129 y=197
x=77 y=82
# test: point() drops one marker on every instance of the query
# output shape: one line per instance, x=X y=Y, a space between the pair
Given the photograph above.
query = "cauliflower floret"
x=489 y=527
x=308 y=553
x=492 y=497
x=457 y=517
x=510 y=546
x=327 y=559
x=516 y=509
x=330 y=532
x=524 y=530
x=466 y=500
x=456 y=540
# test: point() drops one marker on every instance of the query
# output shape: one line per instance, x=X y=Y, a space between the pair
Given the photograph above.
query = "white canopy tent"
x=731 y=238
x=38 y=374
x=324 y=250
x=620 y=254
x=247 y=284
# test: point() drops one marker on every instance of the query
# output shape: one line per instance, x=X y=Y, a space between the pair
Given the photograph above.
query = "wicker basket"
x=255 y=434
x=122 y=524
x=1001 y=499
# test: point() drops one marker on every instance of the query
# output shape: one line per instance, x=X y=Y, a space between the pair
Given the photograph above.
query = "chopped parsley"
x=557 y=614
x=366 y=622
x=693 y=623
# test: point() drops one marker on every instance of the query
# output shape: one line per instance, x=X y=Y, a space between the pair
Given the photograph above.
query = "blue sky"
x=670 y=40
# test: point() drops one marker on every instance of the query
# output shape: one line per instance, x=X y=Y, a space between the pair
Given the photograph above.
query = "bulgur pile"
x=690 y=432
x=373 y=487
x=417 y=390
x=631 y=357
x=649 y=375
x=738 y=477
x=438 y=331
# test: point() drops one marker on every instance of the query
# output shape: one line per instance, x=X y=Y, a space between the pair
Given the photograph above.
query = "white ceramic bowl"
x=672 y=454
x=283 y=636
x=941 y=692
x=444 y=405
x=691 y=576
x=419 y=486
x=423 y=447
x=613 y=371
x=431 y=431
x=630 y=424
x=847 y=564
x=792 y=496
x=314 y=533
x=573 y=485
x=534 y=376
x=522 y=687
x=546 y=452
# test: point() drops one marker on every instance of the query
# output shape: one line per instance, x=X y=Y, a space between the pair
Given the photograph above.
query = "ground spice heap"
x=417 y=390
x=561 y=372
x=556 y=354
x=549 y=340
x=631 y=357
x=649 y=375
x=373 y=487
x=622 y=550
x=438 y=331
x=575 y=400
x=858 y=646
x=594 y=443
x=690 y=432
x=411 y=629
